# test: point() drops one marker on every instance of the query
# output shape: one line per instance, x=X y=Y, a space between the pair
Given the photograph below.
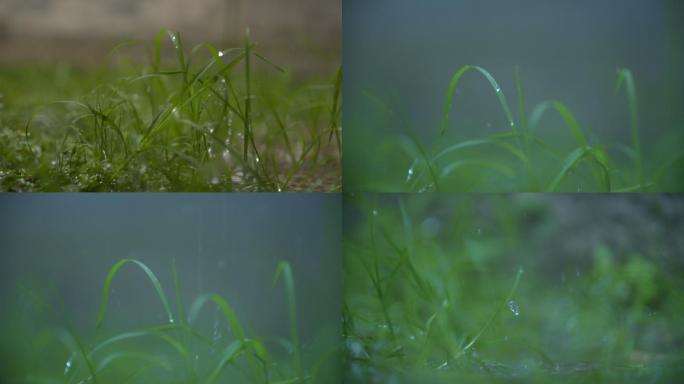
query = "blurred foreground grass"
x=444 y=288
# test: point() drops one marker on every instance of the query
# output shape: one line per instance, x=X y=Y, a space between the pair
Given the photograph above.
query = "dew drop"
x=514 y=307
x=69 y=363
x=409 y=174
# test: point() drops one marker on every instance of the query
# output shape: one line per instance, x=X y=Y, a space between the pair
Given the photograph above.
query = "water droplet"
x=512 y=124
x=412 y=337
x=498 y=89
x=69 y=363
x=479 y=231
x=514 y=307
x=143 y=168
x=444 y=365
x=226 y=155
x=409 y=174
x=171 y=320
x=220 y=53
x=280 y=189
x=577 y=272
x=53 y=163
x=196 y=357
x=375 y=212
x=215 y=180
x=258 y=159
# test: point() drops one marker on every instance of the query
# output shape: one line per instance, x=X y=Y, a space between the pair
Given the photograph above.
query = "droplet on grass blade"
x=409 y=175
x=514 y=307
x=69 y=363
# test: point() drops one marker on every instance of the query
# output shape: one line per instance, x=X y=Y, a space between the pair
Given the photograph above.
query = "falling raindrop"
x=375 y=212
x=226 y=155
x=444 y=365
x=514 y=307
x=498 y=89
x=479 y=231
x=171 y=320
x=215 y=180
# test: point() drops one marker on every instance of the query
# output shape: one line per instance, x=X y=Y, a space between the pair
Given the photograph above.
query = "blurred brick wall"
x=312 y=24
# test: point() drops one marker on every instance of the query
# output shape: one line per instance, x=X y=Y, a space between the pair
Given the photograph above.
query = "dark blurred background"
x=59 y=248
x=303 y=33
x=404 y=54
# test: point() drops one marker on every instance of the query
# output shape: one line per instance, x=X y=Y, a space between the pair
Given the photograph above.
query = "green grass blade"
x=625 y=75
x=285 y=269
x=230 y=353
x=104 y=299
x=452 y=88
x=495 y=315
x=565 y=114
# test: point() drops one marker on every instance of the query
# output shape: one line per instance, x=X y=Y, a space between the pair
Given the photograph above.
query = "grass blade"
x=495 y=315
x=104 y=299
x=625 y=75
x=492 y=82
x=285 y=269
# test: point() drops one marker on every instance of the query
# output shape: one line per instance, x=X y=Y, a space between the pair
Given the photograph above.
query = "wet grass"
x=190 y=119
x=178 y=350
x=457 y=288
x=525 y=156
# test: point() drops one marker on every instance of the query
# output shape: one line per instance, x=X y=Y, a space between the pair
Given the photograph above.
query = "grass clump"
x=525 y=156
x=434 y=292
x=177 y=350
x=208 y=119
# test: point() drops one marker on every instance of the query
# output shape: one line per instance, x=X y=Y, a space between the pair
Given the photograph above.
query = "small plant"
x=215 y=119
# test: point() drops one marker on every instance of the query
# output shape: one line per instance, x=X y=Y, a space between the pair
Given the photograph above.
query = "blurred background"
x=399 y=57
x=83 y=31
x=56 y=251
